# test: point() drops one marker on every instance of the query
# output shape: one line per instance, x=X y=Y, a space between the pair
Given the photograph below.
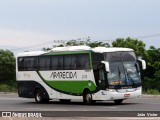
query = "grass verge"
x=7 y=88
x=152 y=92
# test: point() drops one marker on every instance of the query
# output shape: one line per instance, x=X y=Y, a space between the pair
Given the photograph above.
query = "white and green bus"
x=79 y=72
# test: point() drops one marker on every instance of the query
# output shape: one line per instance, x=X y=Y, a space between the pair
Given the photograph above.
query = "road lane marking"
x=113 y=107
x=46 y=109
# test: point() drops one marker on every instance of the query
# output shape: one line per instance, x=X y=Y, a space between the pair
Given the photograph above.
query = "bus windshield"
x=124 y=69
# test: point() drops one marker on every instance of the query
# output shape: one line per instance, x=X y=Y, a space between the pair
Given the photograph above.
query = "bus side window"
x=67 y=62
x=21 y=64
x=83 y=61
x=60 y=63
x=29 y=64
x=41 y=63
x=44 y=63
x=79 y=63
x=54 y=62
x=57 y=62
x=73 y=62
x=96 y=60
x=35 y=63
x=70 y=62
x=47 y=63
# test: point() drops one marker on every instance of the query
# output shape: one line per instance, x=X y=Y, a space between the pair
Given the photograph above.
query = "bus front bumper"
x=112 y=94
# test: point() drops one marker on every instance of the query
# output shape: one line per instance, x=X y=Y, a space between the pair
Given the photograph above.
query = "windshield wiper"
x=129 y=76
x=119 y=73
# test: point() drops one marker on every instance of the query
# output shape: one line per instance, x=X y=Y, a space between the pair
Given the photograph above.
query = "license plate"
x=126 y=95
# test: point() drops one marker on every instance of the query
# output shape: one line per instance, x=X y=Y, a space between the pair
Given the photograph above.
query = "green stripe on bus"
x=70 y=86
x=70 y=52
x=74 y=87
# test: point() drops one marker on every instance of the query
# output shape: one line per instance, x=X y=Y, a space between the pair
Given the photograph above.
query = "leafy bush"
x=7 y=88
x=153 y=92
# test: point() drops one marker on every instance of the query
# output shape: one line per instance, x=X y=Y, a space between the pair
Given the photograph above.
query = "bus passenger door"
x=102 y=78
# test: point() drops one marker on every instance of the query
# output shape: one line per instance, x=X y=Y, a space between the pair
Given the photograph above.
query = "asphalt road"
x=130 y=107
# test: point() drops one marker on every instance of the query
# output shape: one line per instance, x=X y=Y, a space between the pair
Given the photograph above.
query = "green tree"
x=7 y=67
x=87 y=42
x=152 y=74
x=137 y=45
x=80 y=41
x=46 y=49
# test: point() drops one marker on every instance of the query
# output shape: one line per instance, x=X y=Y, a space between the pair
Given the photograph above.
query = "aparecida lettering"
x=64 y=75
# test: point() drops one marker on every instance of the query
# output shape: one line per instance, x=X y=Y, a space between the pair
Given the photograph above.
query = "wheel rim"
x=38 y=97
x=88 y=98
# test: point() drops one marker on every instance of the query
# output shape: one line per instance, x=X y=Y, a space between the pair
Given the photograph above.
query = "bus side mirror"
x=143 y=62
x=106 y=65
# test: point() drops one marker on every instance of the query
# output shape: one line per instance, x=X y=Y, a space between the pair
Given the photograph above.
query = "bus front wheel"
x=87 y=98
x=118 y=102
x=39 y=97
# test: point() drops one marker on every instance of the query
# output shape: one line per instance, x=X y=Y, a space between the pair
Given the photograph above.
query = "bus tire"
x=39 y=97
x=118 y=102
x=87 y=98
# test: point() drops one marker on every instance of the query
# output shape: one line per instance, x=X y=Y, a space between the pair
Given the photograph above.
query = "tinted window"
x=44 y=63
x=83 y=61
x=113 y=57
x=96 y=59
x=70 y=62
x=27 y=63
x=21 y=64
x=47 y=63
x=128 y=56
x=31 y=63
x=119 y=56
x=57 y=62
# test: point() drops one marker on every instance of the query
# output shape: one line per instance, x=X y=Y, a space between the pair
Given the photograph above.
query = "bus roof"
x=96 y=49
x=32 y=53
x=111 y=49
x=75 y=48
x=70 y=48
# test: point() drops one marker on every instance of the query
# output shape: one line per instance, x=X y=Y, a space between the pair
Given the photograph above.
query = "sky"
x=34 y=24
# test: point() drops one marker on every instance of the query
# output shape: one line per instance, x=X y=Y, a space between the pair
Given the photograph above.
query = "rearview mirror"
x=106 y=65
x=143 y=62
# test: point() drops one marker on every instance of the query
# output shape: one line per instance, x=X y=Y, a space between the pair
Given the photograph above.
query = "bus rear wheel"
x=118 y=102
x=39 y=97
x=87 y=98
